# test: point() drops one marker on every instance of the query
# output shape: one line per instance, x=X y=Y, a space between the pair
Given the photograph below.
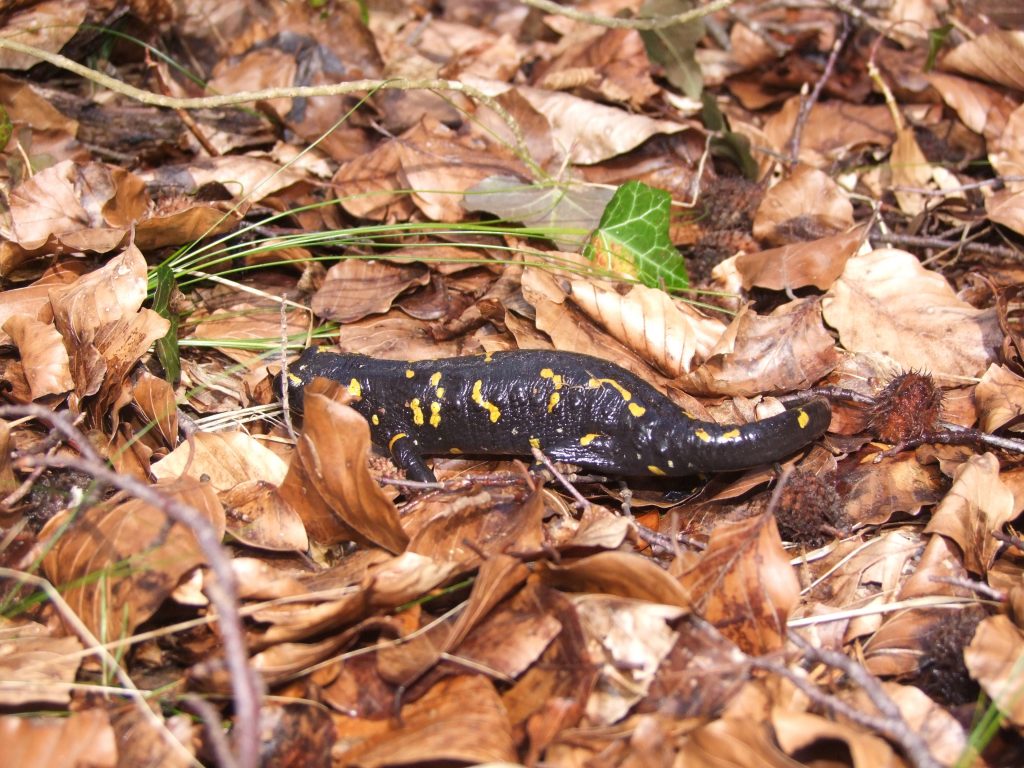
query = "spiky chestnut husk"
x=809 y=511
x=907 y=409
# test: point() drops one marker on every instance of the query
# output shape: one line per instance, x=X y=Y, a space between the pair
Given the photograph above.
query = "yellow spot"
x=689 y=415
x=375 y=419
x=732 y=434
x=702 y=435
x=435 y=414
x=802 y=418
x=535 y=442
x=655 y=470
x=417 y=412
x=553 y=401
x=588 y=439
x=488 y=406
x=454 y=450
x=546 y=373
x=355 y=389
x=671 y=464
x=295 y=380
x=487 y=357
x=626 y=395
x=409 y=373
x=637 y=410
x=395 y=439
x=435 y=378
x=440 y=393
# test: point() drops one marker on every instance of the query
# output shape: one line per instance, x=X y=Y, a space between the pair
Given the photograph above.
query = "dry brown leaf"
x=355 y=288
x=995 y=56
x=832 y=129
x=999 y=397
x=873 y=493
x=224 y=458
x=35 y=666
x=939 y=729
x=155 y=399
x=977 y=505
x=663 y=331
x=118 y=561
x=817 y=262
x=886 y=302
x=43 y=356
x=1006 y=208
x=259 y=517
x=589 y=132
x=744 y=584
x=368 y=185
x=81 y=740
x=628 y=639
x=439 y=165
x=993 y=658
x=84 y=207
x=983 y=109
x=789 y=349
x=100 y=298
x=191 y=223
x=617 y=573
x=46 y=25
x=910 y=172
x=244 y=176
x=733 y=741
x=806 y=201
x=797 y=731
x=464 y=528
x=334 y=447
x=245 y=321
x=460 y=719
x=1006 y=152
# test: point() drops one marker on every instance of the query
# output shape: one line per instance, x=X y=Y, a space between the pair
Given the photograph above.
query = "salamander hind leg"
x=404 y=454
x=586 y=453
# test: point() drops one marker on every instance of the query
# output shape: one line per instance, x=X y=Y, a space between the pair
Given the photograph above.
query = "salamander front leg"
x=403 y=453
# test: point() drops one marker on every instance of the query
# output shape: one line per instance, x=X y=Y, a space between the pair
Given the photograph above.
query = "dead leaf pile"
x=849 y=200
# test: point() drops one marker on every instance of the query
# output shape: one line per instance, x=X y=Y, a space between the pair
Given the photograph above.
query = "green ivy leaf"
x=633 y=237
x=167 y=348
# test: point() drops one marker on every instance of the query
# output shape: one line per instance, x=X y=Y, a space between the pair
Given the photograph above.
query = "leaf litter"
x=846 y=219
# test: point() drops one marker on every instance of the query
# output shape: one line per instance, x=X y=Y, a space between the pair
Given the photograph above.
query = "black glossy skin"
x=576 y=408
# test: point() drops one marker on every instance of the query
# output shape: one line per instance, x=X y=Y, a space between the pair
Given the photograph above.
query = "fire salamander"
x=575 y=408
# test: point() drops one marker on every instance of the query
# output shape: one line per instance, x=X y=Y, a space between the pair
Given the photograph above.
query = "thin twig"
x=642 y=23
x=222 y=590
x=891 y=723
x=266 y=94
x=808 y=104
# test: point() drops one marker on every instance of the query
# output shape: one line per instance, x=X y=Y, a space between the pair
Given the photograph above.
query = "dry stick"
x=642 y=23
x=891 y=723
x=265 y=94
x=808 y=104
x=222 y=591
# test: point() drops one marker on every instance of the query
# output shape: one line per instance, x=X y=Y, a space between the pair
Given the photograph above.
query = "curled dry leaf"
x=100 y=298
x=355 y=288
x=461 y=719
x=590 y=132
x=86 y=207
x=628 y=639
x=245 y=322
x=368 y=185
x=258 y=517
x=617 y=573
x=35 y=666
x=886 y=302
x=744 y=584
x=789 y=349
x=873 y=493
x=155 y=399
x=995 y=56
x=983 y=109
x=832 y=129
x=977 y=505
x=81 y=739
x=34 y=300
x=993 y=659
x=45 y=25
x=118 y=561
x=999 y=397
x=797 y=731
x=807 y=201
x=334 y=447
x=661 y=330
x=1007 y=151
x=911 y=172
x=817 y=262
x=224 y=458
x=244 y=176
x=43 y=356
x=1006 y=208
